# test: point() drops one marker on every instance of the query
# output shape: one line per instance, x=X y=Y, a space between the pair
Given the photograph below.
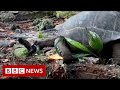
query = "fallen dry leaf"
x=9 y=49
x=2 y=30
x=11 y=33
x=12 y=41
x=31 y=27
x=55 y=57
x=4 y=60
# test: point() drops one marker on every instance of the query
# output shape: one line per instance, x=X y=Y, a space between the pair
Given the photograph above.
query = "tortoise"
x=105 y=23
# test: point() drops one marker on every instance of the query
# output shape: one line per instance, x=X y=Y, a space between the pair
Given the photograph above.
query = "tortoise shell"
x=105 y=23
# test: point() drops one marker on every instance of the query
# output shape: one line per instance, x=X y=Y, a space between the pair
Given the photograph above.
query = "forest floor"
x=6 y=52
x=7 y=57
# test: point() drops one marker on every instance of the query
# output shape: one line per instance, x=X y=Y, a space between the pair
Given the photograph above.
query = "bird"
x=31 y=48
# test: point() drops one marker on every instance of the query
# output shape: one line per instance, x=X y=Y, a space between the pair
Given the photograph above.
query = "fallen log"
x=24 y=35
x=84 y=71
x=7 y=43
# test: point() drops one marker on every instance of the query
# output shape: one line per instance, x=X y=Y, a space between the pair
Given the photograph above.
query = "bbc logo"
x=14 y=70
x=24 y=70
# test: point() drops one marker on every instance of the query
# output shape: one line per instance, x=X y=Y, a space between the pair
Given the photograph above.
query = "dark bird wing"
x=31 y=48
x=25 y=43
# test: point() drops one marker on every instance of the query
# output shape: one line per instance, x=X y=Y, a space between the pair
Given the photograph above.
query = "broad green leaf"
x=21 y=52
x=80 y=55
x=78 y=45
x=95 y=41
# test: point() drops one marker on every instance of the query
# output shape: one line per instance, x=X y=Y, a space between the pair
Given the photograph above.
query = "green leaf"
x=95 y=41
x=65 y=14
x=80 y=55
x=78 y=45
x=39 y=34
x=21 y=52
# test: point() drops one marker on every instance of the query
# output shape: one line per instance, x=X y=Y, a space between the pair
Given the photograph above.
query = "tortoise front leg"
x=62 y=47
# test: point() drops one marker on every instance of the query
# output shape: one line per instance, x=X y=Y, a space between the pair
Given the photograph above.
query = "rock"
x=7 y=17
x=18 y=31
